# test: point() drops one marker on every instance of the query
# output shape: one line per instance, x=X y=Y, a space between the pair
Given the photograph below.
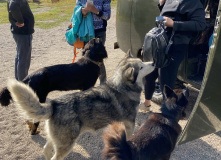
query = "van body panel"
x=206 y=115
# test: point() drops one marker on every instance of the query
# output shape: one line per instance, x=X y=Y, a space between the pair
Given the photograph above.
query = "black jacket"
x=19 y=11
x=188 y=16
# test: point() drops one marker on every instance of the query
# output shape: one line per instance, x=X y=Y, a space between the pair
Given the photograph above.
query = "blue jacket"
x=82 y=27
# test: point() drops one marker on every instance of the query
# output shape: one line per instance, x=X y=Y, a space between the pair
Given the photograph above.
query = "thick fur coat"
x=81 y=75
x=73 y=114
x=155 y=140
x=63 y=77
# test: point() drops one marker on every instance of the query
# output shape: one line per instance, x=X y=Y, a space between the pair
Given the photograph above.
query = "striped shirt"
x=100 y=20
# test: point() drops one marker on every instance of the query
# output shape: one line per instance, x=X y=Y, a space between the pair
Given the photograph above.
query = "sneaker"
x=157 y=95
x=144 y=108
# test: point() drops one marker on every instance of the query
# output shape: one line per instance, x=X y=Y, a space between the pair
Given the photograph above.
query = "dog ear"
x=131 y=74
x=168 y=92
x=129 y=54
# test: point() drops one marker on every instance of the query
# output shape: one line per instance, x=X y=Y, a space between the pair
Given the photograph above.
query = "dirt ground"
x=50 y=48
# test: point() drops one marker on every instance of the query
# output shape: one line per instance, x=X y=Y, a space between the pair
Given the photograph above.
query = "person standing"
x=101 y=12
x=22 y=28
x=184 y=17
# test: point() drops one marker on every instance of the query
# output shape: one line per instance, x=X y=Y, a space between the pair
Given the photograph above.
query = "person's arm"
x=91 y=7
x=195 y=14
x=105 y=13
x=84 y=10
x=197 y=22
x=14 y=9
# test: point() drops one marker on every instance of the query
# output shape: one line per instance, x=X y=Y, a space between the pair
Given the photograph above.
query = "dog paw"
x=33 y=128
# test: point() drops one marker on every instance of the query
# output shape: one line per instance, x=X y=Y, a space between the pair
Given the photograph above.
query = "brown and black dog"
x=81 y=75
x=155 y=140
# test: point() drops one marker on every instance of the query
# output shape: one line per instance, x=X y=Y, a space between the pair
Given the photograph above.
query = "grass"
x=47 y=14
x=3 y=12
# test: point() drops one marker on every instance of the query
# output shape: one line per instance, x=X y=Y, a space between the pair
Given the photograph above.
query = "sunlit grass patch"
x=46 y=13
x=3 y=13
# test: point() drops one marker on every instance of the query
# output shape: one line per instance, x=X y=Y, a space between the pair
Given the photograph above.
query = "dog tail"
x=115 y=144
x=28 y=102
x=5 y=97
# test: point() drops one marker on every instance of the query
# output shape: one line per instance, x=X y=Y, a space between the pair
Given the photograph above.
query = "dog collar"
x=97 y=63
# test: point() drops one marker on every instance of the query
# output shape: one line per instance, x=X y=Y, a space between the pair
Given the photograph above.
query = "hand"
x=168 y=22
x=91 y=8
x=84 y=11
x=19 y=24
x=162 y=2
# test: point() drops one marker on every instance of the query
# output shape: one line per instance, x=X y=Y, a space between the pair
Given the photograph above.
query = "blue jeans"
x=23 y=56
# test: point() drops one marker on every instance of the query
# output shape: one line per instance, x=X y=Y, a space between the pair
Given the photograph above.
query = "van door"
x=123 y=21
x=144 y=13
x=206 y=115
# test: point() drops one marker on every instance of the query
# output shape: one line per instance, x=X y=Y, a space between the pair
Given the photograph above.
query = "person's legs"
x=168 y=75
x=23 y=56
x=101 y=35
x=103 y=76
x=149 y=86
x=16 y=63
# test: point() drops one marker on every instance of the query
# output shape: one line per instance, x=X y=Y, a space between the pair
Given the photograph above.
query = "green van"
x=201 y=67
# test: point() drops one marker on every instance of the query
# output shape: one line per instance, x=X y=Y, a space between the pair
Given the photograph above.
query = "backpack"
x=156 y=46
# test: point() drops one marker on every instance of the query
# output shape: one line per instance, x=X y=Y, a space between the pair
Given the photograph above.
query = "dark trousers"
x=166 y=75
x=102 y=36
x=23 y=56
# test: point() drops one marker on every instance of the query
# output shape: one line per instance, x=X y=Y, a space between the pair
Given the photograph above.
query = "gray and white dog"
x=73 y=114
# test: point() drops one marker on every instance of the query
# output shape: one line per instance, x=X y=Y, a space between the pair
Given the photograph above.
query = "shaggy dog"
x=155 y=140
x=63 y=77
x=73 y=114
